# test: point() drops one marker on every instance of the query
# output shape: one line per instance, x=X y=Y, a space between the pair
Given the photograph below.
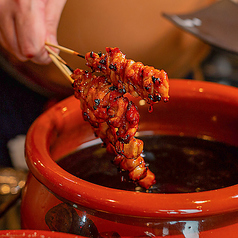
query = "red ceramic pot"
x=53 y=197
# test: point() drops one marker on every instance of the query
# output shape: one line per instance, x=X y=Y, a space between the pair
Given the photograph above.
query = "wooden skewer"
x=58 y=57
x=55 y=55
x=64 y=49
x=63 y=68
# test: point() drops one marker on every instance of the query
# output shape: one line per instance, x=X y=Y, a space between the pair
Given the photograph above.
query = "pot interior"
x=190 y=143
x=181 y=164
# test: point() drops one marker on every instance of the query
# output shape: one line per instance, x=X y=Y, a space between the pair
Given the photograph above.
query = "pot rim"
x=128 y=203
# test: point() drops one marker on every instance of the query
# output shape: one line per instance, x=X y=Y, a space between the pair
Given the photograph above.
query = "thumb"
x=54 y=9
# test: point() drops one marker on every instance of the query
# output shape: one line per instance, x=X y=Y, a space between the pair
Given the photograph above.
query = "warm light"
x=200 y=202
x=142 y=102
x=21 y=184
x=5 y=189
x=214 y=118
x=110 y=200
x=64 y=109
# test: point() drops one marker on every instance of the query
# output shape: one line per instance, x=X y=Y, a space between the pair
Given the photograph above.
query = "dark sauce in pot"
x=180 y=164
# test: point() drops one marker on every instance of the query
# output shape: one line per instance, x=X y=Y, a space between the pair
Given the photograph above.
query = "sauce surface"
x=180 y=164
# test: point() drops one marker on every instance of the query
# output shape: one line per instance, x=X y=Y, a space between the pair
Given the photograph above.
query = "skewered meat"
x=129 y=76
x=112 y=116
x=115 y=120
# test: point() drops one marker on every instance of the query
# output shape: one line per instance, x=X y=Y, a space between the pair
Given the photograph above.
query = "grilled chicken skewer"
x=112 y=116
x=115 y=120
x=129 y=76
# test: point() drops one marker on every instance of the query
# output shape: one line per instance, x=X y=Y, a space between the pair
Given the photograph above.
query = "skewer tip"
x=81 y=56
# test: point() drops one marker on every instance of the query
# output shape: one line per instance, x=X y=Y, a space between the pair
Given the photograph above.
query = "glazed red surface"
x=63 y=117
x=205 y=110
x=114 y=119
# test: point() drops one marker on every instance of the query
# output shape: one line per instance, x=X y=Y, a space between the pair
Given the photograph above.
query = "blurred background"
x=137 y=27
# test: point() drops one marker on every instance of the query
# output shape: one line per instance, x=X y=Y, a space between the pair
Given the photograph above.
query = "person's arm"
x=25 y=26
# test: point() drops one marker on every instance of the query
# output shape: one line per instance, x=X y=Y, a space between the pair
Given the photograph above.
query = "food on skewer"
x=115 y=120
x=112 y=116
x=129 y=76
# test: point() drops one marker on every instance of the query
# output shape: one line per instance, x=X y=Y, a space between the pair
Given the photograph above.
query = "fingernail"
x=52 y=39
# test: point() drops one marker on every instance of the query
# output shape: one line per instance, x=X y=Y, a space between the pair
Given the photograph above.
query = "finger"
x=53 y=12
x=54 y=9
x=7 y=31
x=31 y=30
x=6 y=41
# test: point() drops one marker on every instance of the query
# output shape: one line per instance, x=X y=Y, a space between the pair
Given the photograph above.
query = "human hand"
x=27 y=24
